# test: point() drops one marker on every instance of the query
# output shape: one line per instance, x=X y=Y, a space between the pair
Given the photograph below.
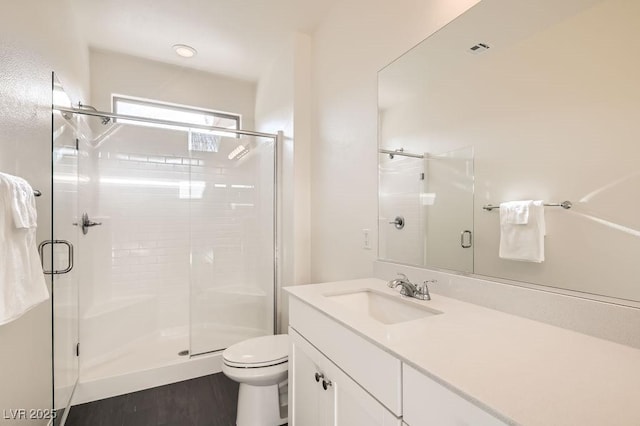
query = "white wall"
x=283 y=104
x=36 y=38
x=357 y=39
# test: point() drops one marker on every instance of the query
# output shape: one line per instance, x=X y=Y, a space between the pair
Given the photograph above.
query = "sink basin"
x=385 y=308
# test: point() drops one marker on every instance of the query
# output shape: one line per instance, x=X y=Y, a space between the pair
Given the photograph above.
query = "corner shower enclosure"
x=178 y=259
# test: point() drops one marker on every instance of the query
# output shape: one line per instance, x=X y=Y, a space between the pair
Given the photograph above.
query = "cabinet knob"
x=319 y=376
x=326 y=384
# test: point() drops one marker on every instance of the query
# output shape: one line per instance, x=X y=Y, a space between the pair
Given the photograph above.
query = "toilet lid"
x=258 y=352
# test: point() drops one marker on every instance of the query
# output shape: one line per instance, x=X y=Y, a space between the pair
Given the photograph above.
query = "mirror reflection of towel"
x=22 y=283
x=515 y=212
x=522 y=230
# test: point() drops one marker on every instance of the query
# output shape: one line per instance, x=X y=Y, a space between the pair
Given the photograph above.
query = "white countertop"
x=530 y=372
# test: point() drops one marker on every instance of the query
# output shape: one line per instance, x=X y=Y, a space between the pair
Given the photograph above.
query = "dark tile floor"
x=205 y=401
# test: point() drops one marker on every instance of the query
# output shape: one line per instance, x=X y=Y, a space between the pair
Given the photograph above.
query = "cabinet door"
x=353 y=406
x=303 y=392
x=342 y=403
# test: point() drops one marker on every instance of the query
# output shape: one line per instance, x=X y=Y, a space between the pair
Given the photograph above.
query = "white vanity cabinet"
x=426 y=403
x=337 y=377
x=365 y=381
x=323 y=395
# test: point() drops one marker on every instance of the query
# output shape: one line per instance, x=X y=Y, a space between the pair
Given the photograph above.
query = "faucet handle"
x=423 y=290
x=424 y=286
x=403 y=276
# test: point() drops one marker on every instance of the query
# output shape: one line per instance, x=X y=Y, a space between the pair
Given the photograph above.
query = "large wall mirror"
x=518 y=100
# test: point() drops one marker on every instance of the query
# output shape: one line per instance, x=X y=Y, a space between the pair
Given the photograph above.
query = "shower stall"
x=426 y=208
x=173 y=230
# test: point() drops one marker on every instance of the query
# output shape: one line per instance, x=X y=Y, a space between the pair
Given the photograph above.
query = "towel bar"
x=565 y=205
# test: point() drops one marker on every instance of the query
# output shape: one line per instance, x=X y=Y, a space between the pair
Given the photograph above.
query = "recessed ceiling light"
x=184 y=50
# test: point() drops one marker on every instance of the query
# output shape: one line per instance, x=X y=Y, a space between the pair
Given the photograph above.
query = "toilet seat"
x=258 y=352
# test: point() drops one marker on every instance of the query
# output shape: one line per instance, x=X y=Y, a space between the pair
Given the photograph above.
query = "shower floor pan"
x=148 y=362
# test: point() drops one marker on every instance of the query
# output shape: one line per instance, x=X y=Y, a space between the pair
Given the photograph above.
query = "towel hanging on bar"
x=21 y=279
x=522 y=230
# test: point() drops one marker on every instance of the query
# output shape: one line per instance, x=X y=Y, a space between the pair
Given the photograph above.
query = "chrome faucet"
x=408 y=288
x=420 y=291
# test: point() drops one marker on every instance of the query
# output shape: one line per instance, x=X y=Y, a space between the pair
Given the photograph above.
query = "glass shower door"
x=449 y=184
x=232 y=213
x=64 y=238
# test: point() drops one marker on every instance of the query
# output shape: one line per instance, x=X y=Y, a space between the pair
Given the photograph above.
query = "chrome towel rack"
x=565 y=205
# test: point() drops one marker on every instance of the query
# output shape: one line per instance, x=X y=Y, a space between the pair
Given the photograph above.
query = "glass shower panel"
x=432 y=197
x=64 y=237
x=232 y=215
x=183 y=261
x=401 y=183
x=449 y=185
x=135 y=297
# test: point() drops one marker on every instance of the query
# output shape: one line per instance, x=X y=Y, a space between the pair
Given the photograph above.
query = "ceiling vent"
x=479 y=48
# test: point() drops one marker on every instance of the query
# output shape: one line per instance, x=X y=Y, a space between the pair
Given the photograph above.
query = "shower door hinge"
x=77 y=349
x=421 y=176
x=77 y=144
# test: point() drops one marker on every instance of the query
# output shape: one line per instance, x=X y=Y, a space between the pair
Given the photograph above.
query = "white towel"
x=522 y=230
x=515 y=212
x=22 y=283
x=23 y=205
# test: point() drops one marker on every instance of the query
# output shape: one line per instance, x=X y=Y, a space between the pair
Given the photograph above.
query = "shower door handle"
x=69 y=267
x=463 y=240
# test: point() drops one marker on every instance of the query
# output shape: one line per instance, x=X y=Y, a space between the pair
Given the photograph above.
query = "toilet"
x=260 y=365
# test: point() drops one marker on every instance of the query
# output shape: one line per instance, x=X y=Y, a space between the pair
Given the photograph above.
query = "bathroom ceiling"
x=237 y=38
